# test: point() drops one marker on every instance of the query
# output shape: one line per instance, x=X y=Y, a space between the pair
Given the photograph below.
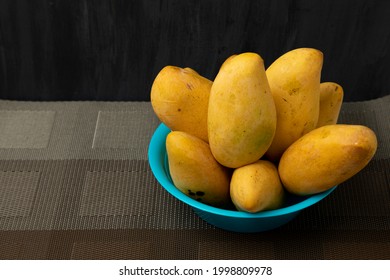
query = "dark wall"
x=112 y=50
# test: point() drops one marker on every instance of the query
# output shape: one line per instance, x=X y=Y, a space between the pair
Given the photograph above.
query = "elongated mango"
x=331 y=99
x=195 y=172
x=180 y=97
x=294 y=79
x=241 y=114
x=326 y=157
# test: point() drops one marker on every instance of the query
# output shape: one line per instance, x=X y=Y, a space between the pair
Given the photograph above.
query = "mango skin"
x=294 y=79
x=241 y=114
x=195 y=172
x=180 y=97
x=256 y=187
x=331 y=99
x=326 y=157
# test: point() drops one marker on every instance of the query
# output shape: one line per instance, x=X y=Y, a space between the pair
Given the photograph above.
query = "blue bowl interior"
x=159 y=165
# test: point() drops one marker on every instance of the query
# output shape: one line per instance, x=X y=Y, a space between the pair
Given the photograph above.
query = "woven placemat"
x=75 y=183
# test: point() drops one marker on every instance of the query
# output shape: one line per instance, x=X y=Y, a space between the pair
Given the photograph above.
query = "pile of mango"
x=253 y=134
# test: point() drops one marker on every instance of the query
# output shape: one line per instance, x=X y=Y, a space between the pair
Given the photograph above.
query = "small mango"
x=195 y=172
x=331 y=99
x=256 y=187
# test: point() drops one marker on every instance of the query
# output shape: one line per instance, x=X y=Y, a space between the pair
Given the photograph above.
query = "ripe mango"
x=326 y=157
x=241 y=114
x=195 y=172
x=256 y=187
x=180 y=97
x=331 y=99
x=294 y=79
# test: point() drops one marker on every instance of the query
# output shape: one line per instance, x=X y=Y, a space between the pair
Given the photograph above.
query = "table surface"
x=75 y=183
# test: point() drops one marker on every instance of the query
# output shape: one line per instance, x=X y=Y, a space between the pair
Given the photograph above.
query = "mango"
x=180 y=97
x=256 y=187
x=331 y=99
x=227 y=60
x=241 y=114
x=195 y=172
x=294 y=79
x=326 y=157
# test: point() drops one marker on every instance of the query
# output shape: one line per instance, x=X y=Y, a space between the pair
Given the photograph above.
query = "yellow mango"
x=195 y=172
x=294 y=79
x=326 y=157
x=241 y=114
x=256 y=187
x=227 y=60
x=180 y=97
x=331 y=99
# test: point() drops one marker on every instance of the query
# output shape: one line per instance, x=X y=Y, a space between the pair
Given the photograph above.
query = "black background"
x=113 y=49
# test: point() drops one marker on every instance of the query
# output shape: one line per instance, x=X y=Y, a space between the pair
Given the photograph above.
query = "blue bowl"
x=231 y=220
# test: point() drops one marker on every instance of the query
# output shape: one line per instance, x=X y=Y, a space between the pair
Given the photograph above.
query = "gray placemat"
x=75 y=183
x=75 y=130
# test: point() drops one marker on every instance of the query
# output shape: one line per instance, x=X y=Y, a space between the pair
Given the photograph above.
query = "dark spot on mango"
x=200 y=193
x=293 y=91
x=191 y=193
x=179 y=110
x=190 y=86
